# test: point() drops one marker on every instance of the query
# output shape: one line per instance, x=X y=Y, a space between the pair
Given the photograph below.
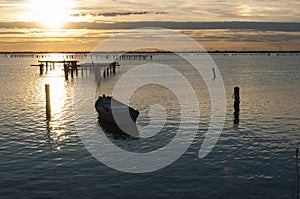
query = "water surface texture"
x=255 y=159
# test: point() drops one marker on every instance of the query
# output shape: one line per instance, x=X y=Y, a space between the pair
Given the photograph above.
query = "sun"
x=50 y=13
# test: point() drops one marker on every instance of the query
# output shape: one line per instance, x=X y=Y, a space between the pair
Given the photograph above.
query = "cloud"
x=11 y=33
x=114 y=14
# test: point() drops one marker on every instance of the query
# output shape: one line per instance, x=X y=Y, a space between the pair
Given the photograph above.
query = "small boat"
x=109 y=109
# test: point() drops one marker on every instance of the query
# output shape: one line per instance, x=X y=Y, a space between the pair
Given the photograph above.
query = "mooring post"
x=236 y=105
x=237 y=99
x=66 y=71
x=114 y=67
x=107 y=71
x=214 y=73
x=41 y=68
x=48 y=103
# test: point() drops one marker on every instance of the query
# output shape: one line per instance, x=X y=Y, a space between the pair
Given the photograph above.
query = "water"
x=255 y=159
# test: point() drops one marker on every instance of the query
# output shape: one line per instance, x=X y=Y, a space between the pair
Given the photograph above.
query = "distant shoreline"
x=151 y=52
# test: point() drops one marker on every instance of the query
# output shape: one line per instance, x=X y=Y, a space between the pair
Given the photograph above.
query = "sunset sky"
x=79 y=25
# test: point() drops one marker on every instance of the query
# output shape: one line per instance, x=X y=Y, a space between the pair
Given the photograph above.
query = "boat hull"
x=123 y=113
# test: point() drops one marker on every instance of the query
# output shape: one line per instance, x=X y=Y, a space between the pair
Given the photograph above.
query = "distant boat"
x=108 y=107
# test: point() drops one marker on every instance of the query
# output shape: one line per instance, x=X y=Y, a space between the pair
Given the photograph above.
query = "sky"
x=80 y=25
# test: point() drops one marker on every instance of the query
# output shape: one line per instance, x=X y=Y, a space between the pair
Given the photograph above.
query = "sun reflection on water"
x=57 y=92
x=59 y=100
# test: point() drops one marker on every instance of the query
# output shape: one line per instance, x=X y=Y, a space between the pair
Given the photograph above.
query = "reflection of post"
x=48 y=103
x=236 y=105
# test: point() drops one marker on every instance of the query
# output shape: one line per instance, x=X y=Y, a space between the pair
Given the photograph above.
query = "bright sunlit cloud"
x=51 y=13
x=244 y=10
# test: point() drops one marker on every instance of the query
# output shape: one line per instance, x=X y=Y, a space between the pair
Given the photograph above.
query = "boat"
x=115 y=112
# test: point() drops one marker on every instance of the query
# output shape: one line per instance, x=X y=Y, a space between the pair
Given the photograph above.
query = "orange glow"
x=51 y=13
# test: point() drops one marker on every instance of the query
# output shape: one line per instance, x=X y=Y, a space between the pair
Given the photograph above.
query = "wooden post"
x=48 y=103
x=237 y=99
x=41 y=68
x=114 y=67
x=66 y=70
x=214 y=73
x=107 y=71
x=236 y=105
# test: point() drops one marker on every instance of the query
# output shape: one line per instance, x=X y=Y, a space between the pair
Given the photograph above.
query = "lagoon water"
x=254 y=159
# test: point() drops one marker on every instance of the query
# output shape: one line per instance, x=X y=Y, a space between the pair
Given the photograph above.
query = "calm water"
x=255 y=159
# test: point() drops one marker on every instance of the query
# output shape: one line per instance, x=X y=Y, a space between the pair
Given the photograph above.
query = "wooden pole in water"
x=66 y=70
x=114 y=67
x=107 y=71
x=236 y=105
x=48 y=103
x=41 y=68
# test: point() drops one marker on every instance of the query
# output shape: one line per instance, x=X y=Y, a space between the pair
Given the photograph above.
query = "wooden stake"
x=114 y=67
x=237 y=99
x=48 y=103
x=66 y=71
x=236 y=105
x=41 y=68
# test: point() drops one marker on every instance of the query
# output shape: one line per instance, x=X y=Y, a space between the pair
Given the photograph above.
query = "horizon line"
x=132 y=52
x=179 y=25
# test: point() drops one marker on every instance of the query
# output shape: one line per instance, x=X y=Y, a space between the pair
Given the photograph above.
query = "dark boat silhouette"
x=115 y=117
x=114 y=111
